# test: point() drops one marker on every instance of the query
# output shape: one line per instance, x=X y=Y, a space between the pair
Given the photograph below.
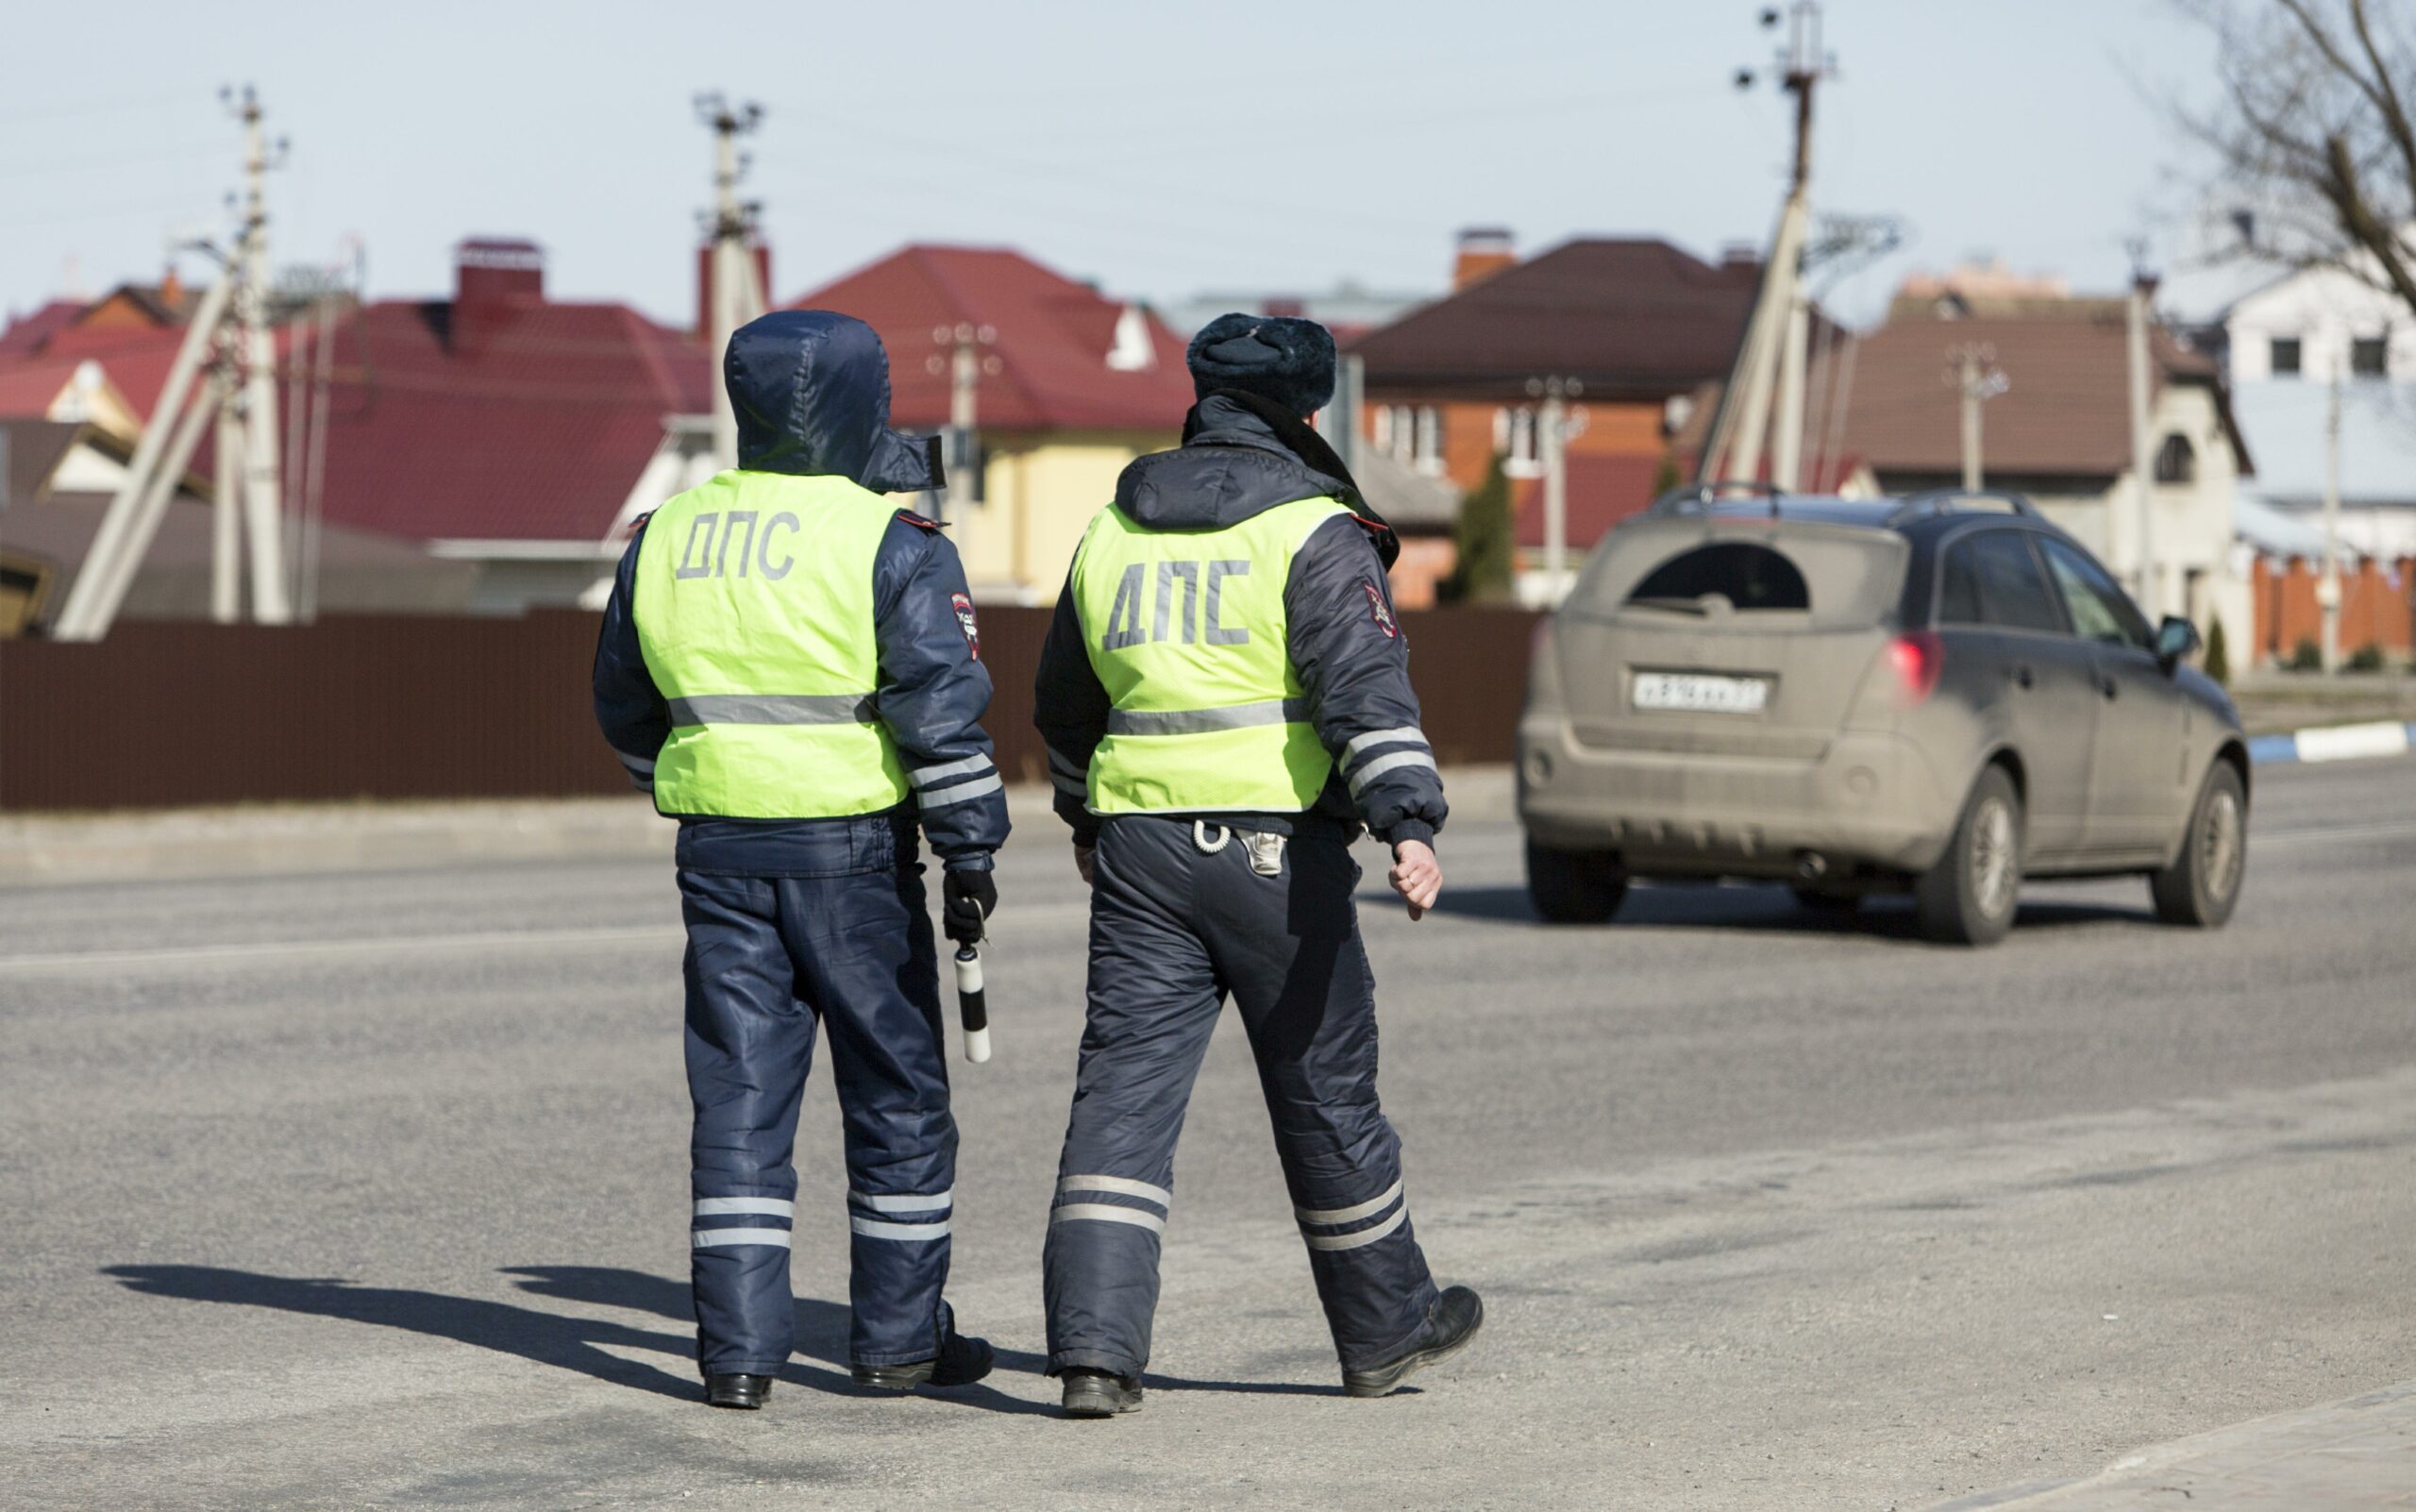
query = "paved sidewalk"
x=2358 y=1456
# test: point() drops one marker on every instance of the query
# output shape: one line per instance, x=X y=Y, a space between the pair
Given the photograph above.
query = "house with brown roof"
x=2060 y=430
x=1070 y=386
x=1631 y=326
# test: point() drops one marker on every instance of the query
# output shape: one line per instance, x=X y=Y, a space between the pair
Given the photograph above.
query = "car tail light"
x=1919 y=657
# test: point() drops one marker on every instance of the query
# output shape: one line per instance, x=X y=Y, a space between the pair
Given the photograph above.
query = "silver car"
x=1942 y=694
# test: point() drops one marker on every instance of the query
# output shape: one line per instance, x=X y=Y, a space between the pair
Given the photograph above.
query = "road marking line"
x=269 y=950
x=201 y=955
x=2345 y=831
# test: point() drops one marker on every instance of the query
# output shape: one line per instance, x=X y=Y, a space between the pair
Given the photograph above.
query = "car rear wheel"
x=2202 y=885
x=1968 y=897
x=1575 y=886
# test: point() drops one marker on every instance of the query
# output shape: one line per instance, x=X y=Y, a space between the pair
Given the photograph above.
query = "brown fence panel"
x=412 y=707
x=366 y=707
x=1470 y=668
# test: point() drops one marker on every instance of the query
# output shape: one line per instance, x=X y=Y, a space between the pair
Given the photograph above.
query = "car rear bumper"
x=1868 y=800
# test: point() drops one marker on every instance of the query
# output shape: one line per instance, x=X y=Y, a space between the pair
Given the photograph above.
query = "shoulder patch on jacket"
x=912 y=518
x=637 y=525
x=1380 y=611
x=965 y=622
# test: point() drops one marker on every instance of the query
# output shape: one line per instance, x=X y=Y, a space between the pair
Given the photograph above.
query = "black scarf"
x=1301 y=440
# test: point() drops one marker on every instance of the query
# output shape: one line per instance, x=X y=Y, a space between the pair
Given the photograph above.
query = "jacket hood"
x=1241 y=456
x=810 y=388
x=1232 y=466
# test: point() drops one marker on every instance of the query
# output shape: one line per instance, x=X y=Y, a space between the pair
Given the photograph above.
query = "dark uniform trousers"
x=850 y=945
x=1173 y=929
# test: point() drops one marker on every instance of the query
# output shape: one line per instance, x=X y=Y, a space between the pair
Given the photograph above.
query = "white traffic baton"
x=971 y=1007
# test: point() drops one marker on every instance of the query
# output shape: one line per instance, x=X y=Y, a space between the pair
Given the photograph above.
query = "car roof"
x=1921 y=513
x=1818 y=509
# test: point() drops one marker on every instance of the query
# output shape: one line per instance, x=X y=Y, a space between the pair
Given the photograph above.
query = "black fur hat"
x=1281 y=360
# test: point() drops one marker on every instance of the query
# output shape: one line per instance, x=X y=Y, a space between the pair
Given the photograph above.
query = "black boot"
x=961 y=1361
x=1456 y=1317
x=744 y=1392
x=1094 y=1393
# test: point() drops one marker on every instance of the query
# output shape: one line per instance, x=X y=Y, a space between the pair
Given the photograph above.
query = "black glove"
x=966 y=899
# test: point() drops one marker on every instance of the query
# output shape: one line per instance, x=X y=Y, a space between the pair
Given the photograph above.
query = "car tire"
x=1575 y=886
x=1971 y=896
x=2201 y=886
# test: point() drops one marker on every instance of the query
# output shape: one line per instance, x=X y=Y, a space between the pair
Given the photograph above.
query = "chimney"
x=1484 y=250
x=493 y=275
x=705 y=284
x=1741 y=254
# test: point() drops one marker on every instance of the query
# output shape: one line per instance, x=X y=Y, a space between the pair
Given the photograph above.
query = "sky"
x=1159 y=150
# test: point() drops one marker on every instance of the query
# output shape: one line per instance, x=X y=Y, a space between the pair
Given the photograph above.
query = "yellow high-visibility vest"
x=1185 y=629
x=754 y=608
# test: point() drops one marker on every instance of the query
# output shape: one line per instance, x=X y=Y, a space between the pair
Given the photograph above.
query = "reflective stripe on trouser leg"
x=1289 y=948
x=748 y=1045
x=877 y=975
x=1152 y=1005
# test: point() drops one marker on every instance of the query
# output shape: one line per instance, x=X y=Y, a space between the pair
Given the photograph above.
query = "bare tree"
x=2312 y=133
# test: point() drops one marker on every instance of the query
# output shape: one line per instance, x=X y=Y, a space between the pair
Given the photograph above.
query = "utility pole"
x=264 y=520
x=1556 y=425
x=225 y=373
x=967 y=362
x=2149 y=582
x=2328 y=586
x=226 y=521
x=737 y=293
x=1770 y=354
x=1787 y=445
x=1972 y=370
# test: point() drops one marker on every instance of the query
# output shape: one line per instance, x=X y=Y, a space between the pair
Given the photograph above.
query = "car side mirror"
x=2175 y=639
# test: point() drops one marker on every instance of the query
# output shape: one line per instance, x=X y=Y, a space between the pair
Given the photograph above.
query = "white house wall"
x=2325 y=308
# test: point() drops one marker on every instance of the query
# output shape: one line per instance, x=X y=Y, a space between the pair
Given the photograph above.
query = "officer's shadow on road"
x=572 y=1343
x=822 y=1333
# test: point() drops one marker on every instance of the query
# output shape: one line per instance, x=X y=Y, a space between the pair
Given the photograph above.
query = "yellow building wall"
x=1039 y=497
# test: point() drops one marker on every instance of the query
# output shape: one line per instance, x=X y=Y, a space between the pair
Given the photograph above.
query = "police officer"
x=1225 y=697
x=789 y=663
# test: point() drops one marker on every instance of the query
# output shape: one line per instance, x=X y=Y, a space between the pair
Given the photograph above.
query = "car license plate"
x=1695 y=693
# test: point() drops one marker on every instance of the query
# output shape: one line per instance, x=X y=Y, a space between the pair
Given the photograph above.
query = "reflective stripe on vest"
x=754 y=608
x=1186 y=630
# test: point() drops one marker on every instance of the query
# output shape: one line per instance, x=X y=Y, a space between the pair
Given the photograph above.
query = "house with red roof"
x=497 y=428
x=507 y=428
x=1070 y=386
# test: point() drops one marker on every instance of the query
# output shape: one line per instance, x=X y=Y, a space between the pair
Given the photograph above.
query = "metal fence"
x=410 y=707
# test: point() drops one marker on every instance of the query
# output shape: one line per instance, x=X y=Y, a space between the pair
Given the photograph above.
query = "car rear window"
x=1751 y=578
x=1766 y=574
x=1992 y=579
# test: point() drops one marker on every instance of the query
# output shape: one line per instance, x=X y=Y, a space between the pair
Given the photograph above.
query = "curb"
x=2352 y=1454
x=2333 y=743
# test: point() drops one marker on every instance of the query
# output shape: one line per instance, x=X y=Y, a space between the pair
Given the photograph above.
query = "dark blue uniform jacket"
x=812 y=392
x=1343 y=639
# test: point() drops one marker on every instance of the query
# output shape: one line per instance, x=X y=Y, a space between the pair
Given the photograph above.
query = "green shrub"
x=1487 y=546
x=1664 y=476
x=2307 y=656
x=2218 y=653
x=2366 y=658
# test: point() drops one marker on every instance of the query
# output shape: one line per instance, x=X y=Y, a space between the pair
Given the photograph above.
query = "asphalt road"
x=368 y=1189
